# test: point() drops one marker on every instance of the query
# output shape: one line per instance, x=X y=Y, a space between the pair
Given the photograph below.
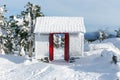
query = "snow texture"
x=59 y=25
x=92 y=66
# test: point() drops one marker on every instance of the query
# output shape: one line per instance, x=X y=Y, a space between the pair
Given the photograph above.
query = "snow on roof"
x=59 y=25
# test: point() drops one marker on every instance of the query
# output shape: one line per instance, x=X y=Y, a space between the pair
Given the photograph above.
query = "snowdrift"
x=114 y=41
x=94 y=65
x=111 y=46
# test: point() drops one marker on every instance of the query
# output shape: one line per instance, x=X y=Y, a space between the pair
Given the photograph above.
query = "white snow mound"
x=94 y=65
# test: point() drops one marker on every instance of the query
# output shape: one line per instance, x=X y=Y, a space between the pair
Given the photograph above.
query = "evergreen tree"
x=22 y=27
x=5 y=42
x=30 y=14
x=16 y=34
x=14 y=30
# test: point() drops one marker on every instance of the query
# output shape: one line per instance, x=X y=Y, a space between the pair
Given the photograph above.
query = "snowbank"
x=86 y=68
x=108 y=45
x=114 y=41
x=94 y=65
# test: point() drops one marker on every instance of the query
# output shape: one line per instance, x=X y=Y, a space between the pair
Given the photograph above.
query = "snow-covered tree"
x=17 y=32
x=57 y=40
x=103 y=34
x=14 y=26
x=29 y=15
x=117 y=32
x=23 y=26
x=2 y=17
x=5 y=42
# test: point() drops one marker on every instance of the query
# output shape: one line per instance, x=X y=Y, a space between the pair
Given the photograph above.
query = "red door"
x=51 y=46
x=66 y=54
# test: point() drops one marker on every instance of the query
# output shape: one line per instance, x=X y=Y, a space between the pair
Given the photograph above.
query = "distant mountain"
x=91 y=35
x=96 y=35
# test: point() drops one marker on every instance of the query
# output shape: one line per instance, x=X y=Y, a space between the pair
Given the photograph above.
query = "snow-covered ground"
x=94 y=65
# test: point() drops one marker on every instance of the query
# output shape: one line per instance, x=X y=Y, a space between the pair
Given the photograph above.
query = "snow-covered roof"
x=59 y=25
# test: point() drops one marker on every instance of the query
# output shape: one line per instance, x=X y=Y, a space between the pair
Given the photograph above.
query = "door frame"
x=66 y=46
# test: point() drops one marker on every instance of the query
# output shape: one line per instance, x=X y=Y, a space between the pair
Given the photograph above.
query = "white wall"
x=41 y=45
x=81 y=36
x=76 y=44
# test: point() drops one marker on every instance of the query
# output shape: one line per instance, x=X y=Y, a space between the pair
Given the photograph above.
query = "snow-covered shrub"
x=117 y=32
x=114 y=59
x=103 y=34
x=58 y=40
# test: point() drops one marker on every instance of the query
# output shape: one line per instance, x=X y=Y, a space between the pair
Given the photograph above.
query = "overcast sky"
x=98 y=14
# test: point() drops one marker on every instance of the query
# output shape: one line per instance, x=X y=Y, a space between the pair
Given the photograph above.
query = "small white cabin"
x=73 y=29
